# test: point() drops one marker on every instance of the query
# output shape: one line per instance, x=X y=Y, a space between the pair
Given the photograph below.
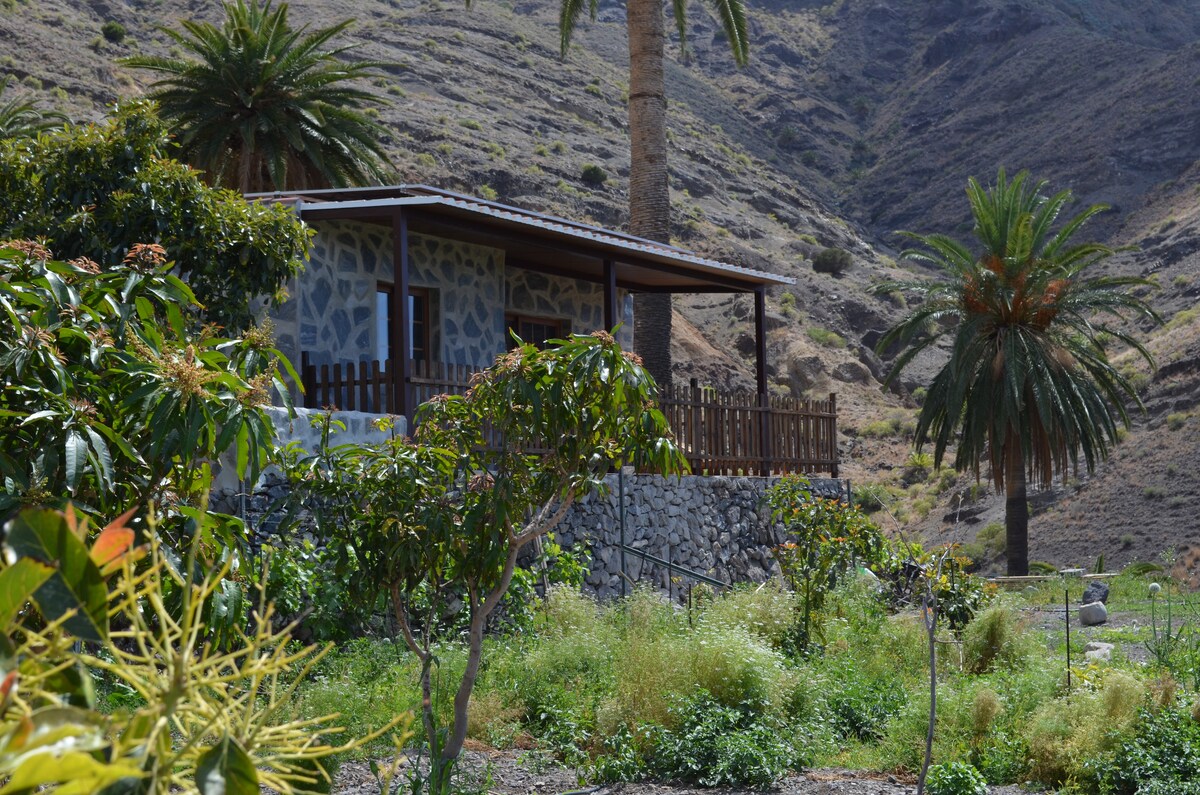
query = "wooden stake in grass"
x=1067 y=620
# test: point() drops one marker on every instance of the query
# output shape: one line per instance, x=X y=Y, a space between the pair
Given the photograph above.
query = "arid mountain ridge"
x=853 y=119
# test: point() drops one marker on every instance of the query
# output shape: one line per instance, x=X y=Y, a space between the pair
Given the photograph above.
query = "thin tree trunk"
x=1016 y=508
x=649 y=194
x=930 y=615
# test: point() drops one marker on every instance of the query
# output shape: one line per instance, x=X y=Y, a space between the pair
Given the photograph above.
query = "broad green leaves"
x=94 y=190
x=112 y=395
x=17 y=585
x=198 y=721
x=76 y=589
x=66 y=581
x=226 y=769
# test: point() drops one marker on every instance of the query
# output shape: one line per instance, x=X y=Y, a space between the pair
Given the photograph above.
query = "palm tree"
x=649 y=196
x=260 y=106
x=20 y=118
x=1028 y=387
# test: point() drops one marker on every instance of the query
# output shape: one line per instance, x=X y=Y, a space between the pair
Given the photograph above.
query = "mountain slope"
x=854 y=118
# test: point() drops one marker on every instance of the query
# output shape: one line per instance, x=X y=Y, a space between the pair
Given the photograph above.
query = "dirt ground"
x=509 y=773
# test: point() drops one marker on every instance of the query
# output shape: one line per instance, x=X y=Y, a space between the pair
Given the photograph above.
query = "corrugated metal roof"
x=436 y=200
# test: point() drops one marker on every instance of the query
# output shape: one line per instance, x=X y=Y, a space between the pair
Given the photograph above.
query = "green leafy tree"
x=1028 y=387
x=262 y=106
x=826 y=538
x=107 y=396
x=441 y=519
x=649 y=194
x=21 y=118
x=93 y=190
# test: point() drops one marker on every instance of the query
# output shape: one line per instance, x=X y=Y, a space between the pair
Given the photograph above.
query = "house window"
x=420 y=328
x=535 y=329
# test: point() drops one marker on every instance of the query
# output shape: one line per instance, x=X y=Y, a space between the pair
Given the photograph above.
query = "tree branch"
x=540 y=525
x=402 y=619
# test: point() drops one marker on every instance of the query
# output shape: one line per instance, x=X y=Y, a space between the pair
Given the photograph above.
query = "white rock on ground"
x=1096 y=651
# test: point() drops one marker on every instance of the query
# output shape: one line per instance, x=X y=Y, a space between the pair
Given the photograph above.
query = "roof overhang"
x=531 y=240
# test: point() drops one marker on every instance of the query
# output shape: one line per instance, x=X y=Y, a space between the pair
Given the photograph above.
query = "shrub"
x=832 y=260
x=955 y=778
x=228 y=250
x=113 y=31
x=1177 y=420
x=1165 y=747
x=993 y=537
x=718 y=745
x=593 y=175
x=991 y=636
x=825 y=337
x=1070 y=737
x=767 y=612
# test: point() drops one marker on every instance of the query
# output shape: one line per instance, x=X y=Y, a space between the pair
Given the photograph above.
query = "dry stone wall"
x=717 y=526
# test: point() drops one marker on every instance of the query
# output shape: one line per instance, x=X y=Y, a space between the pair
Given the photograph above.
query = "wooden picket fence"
x=721 y=433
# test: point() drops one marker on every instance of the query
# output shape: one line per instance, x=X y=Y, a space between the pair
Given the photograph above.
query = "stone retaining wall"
x=716 y=526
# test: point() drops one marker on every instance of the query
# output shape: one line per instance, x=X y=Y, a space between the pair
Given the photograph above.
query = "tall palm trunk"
x=649 y=195
x=1016 y=507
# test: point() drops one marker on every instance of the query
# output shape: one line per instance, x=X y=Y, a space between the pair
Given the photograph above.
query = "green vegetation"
x=955 y=778
x=259 y=105
x=834 y=261
x=398 y=513
x=1026 y=390
x=113 y=31
x=120 y=400
x=661 y=684
x=20 y=118
x=195 y=717
x=593 y=175
x=823 y=336
x=95 y=190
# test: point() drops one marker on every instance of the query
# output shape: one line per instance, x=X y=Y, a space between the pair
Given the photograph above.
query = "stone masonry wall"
x=332 y=312
x=712 y=525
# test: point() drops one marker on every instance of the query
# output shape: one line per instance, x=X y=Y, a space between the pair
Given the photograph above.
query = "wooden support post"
x=611 y=314
x=760 y=365
x=833 y=447
x=401 y=330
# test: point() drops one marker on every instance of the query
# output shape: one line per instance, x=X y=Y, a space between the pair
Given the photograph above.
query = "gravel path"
x=509 y=773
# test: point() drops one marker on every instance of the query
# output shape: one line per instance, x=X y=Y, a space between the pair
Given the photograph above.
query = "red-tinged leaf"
x=114 y=540
x=132 y=556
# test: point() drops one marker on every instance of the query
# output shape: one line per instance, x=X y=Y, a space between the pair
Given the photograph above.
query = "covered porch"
x=721 y=433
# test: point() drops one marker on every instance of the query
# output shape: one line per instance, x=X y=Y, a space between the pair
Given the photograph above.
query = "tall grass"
x=618 y=688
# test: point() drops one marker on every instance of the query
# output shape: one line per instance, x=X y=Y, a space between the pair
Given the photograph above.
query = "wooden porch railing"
x=721 y=433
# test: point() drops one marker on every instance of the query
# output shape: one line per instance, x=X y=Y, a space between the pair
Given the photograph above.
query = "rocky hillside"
x=853 y=119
